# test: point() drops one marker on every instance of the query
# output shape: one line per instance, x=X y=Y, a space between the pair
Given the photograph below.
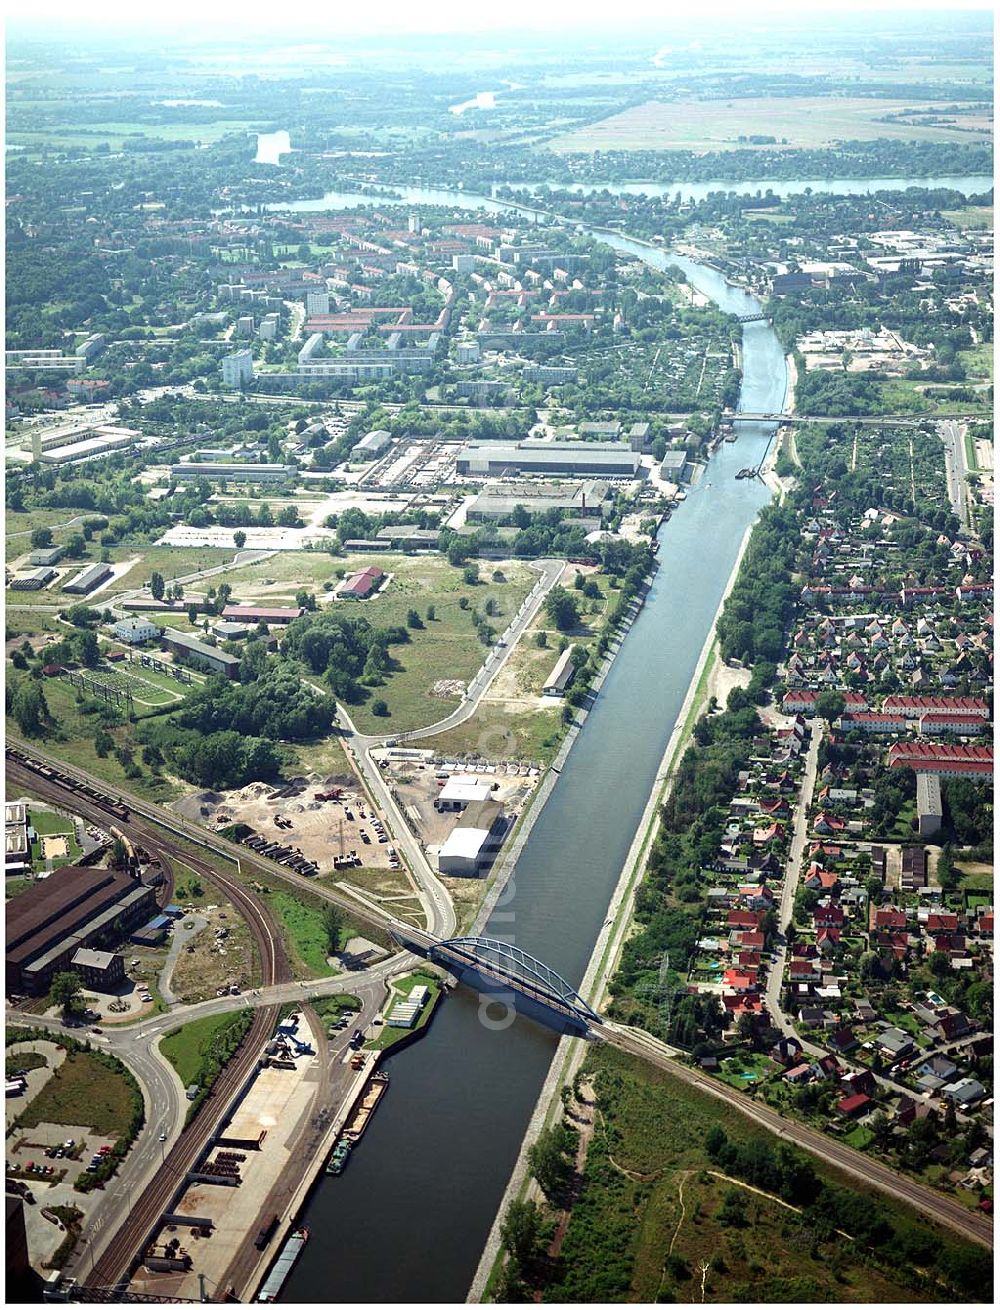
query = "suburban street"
x=790 y=885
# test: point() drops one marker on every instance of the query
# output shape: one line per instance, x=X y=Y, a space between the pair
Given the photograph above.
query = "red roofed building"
x=914 y=707
x=889 y=918
x=746 y=919
x=799 y=702
x=853 y=1105
x=931 y=724
x=949 y=761
x=361 y=585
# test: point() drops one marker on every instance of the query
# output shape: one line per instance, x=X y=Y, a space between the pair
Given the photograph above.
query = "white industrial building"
x=459 y=792
x=134 y=631
x=562 y=675
x=372 y=444
x=473 y=841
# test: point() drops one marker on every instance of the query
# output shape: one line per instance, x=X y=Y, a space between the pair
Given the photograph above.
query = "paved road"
x=956 y=469
x=970 y=1224
x=790 y=885
x=434 y=897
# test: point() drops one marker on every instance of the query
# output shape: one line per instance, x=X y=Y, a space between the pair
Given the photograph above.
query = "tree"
x=550 y=1160
x=41 y=538
x=333 y=925
x=522 y=1233
x=413 y=619
x=29 y=708
x=239 y=539
x=66 y=991
x=156 y=585
x=380 y=709
x=561 y=608
x=541 y=639
x=830 y=705
x=119 y=853
x=104 y=744
x=431 y=613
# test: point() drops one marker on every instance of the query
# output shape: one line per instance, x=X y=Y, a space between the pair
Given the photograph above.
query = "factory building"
x=232 y=472
x=562 y=674
x=87 y=579
x=371 y=445
x=32 y=580
x=71 y=909
x=593 y=458
x=262 y=613
x=458 y=792
x=499 y=500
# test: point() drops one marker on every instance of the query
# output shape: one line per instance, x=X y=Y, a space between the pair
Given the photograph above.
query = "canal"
x=408 y=1218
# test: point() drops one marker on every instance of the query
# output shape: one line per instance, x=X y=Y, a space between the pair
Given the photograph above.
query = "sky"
x=233 y=17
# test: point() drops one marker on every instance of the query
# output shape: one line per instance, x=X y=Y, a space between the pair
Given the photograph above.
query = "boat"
x=338 y=1157
x=361 y=1115
x=282 y=1267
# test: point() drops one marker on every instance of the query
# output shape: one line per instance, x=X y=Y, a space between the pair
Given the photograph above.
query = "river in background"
x=408 y=1219
x=444 y=198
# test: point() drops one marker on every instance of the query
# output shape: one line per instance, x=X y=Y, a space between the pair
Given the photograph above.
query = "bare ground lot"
x=795 y=122
x=417 y=788
x=321 y=830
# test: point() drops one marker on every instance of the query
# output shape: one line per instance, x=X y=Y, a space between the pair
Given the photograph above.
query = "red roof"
x=973 y=706
x=851 y=1104
x=360 y=584
x=934 y=756
x=261 y=613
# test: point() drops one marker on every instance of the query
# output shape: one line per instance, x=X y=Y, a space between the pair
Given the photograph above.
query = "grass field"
x=48 y=824
x=82 y=1091
x=651 y=1191
x=970 y=216
x=304 y=934
x=116 y=133
x=445 y=647
x=795 y=121
x=172 y=562
x=75 y=744
x=186 y=1048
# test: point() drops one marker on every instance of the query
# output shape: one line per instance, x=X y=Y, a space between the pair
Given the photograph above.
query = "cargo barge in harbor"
x=358 y=1122
x=290 y=1252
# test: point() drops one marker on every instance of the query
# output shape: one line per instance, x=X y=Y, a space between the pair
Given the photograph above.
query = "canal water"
x=408 y=1218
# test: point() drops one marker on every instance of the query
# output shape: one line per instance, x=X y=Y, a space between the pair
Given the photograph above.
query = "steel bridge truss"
x=523 y=972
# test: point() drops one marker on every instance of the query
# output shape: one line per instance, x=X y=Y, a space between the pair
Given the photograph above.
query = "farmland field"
x=795 y=122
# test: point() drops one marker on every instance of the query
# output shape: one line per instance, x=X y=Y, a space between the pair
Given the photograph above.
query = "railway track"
x=140 y=814
x=123 y=1251
x=120 y=1255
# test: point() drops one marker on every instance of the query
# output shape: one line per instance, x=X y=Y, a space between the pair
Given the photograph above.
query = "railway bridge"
x=511 y=977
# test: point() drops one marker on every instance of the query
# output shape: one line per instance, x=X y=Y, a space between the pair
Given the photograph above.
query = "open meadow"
x=796 y=122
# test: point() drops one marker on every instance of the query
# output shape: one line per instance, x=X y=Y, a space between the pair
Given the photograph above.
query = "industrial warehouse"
x=51 y=924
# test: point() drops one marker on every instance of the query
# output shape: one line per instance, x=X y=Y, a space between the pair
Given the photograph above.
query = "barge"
x=290 y=1252
x=360 y=1118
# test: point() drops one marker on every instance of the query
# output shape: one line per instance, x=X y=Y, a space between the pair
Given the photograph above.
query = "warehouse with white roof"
x=474 y=840
x=459 y=792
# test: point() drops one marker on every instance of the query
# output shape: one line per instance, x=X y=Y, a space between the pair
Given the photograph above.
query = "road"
x=790 y=885
x=956 y=469
x=970 y=1224
x=434 y=897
